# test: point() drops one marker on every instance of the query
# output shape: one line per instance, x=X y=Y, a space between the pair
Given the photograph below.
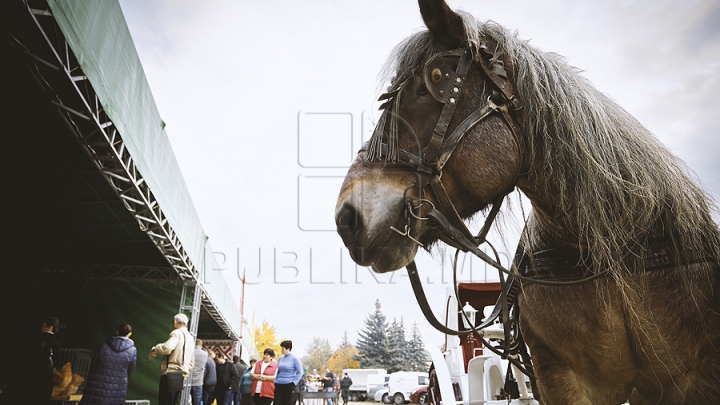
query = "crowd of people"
x=185 y=361
x=262 y=382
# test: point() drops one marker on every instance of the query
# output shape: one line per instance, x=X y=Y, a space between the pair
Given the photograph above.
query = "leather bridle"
x=446 y=86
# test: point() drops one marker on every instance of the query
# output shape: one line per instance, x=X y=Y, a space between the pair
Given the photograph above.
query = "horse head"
x=446 y=140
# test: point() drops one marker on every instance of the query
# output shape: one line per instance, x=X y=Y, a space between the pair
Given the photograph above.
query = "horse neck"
x=547 y=223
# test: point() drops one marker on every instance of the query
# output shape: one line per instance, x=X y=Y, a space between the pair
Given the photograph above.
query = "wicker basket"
x=79 y=360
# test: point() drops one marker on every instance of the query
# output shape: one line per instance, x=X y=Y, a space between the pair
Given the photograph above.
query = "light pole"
x=468 y=318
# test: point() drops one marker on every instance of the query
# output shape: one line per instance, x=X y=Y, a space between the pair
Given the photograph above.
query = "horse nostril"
x=348 y=218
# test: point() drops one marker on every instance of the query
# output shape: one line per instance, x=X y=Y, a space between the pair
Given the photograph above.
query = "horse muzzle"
x=380 y=246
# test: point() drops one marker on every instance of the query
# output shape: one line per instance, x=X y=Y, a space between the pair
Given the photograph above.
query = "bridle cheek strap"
x=449 y=96
x=465 y=126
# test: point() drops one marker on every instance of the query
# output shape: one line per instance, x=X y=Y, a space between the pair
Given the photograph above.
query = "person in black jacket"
x=38 y=386
x=110 y=370
x=227 y=376
x=345 y=384
x=240 y=367
x=210 y=380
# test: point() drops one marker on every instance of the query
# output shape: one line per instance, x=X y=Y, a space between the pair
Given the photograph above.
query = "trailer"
x=359 y=376
x=466 y=372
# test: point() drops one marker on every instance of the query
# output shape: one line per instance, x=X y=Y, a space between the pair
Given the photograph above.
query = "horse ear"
x=445 y=25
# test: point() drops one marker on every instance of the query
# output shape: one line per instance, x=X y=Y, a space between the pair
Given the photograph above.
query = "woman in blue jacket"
x=245 y=384
x=110 y=369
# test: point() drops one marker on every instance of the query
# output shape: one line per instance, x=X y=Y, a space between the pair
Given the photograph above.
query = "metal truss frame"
x=57 y=71
x=143 y=274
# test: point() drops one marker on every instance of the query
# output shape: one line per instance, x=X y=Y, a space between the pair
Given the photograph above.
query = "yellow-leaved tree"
x=265 y=337
x=342 y=359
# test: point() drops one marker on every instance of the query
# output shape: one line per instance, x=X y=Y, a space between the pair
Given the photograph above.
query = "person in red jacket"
x=263 y=385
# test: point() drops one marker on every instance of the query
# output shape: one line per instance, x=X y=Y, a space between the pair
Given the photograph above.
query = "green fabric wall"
x=92 y=311
x=98 y=35
x=149 y=309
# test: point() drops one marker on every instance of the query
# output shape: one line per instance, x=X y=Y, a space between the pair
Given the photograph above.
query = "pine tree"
x=416 y=351
x=397 y=348
x=345 y=342
x=371 y=343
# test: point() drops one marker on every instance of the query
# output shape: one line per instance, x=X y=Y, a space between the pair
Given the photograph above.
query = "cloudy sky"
x=266 y=103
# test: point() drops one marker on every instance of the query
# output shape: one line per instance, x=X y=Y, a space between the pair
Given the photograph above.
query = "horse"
x=473 y=113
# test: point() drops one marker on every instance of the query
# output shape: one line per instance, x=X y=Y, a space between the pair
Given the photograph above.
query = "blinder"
x=445 y=85
x=440 y=78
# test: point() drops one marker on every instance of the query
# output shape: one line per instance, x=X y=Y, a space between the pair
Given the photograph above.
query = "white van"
x=402 y=383
x=361 y=379
x=374 y=380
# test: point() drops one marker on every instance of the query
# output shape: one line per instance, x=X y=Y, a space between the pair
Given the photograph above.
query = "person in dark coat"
x=38 y=386
x=227 y=376
x=210 y=380
x=345 y=385
x=301 y=388
x=110 y=369
x=237 y=393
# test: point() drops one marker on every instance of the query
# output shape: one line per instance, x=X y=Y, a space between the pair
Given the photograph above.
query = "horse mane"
x=612 y=183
